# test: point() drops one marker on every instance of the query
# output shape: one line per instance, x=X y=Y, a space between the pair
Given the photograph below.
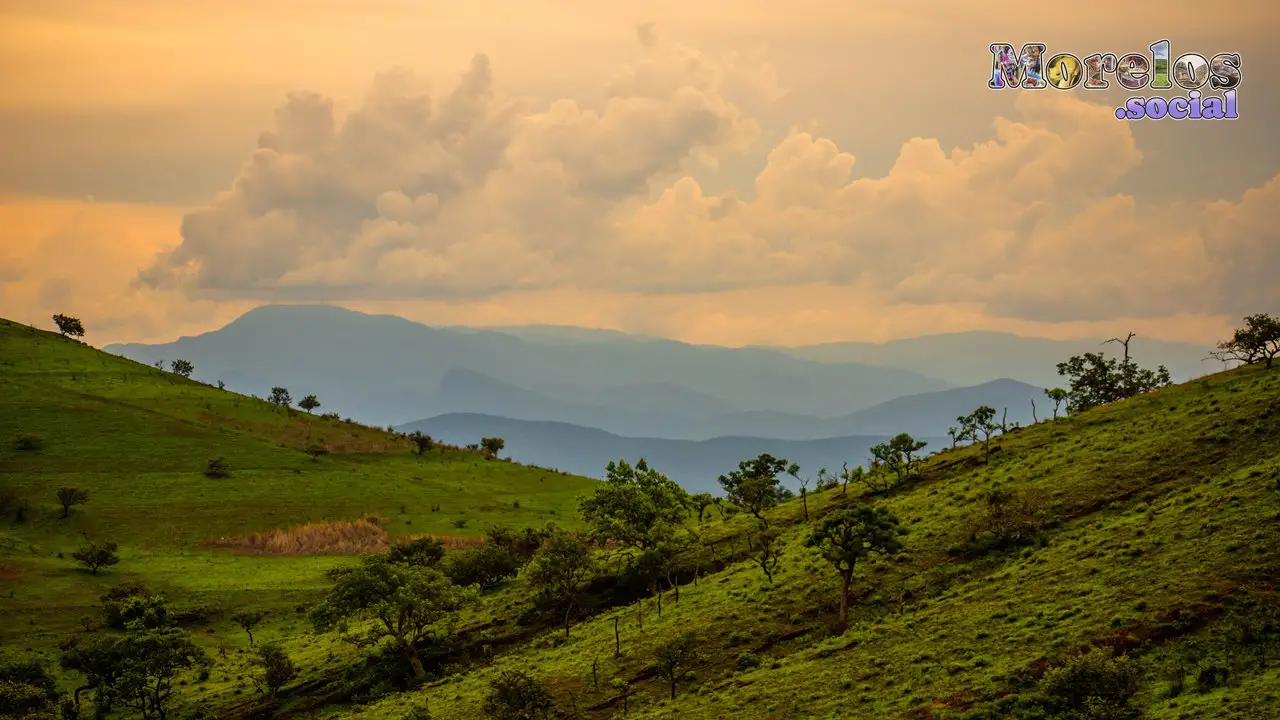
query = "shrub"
x=1094 y=686
x=276 y=669
x=96 y=556
x=516 y=695
x=218 y=468
x=28 y=443
x=486 y=566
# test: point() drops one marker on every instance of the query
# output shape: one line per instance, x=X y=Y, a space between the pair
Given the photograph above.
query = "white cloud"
x=470 y=195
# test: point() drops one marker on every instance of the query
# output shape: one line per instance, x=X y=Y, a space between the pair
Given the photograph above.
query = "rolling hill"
x=1120 y=562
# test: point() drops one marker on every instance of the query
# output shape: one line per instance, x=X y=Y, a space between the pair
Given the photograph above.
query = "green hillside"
x=1146 y=528
x=139 y=439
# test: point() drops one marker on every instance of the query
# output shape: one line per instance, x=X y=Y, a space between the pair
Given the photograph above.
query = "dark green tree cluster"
x=1094 y=379
x=636 y=506
x=1256 y=341
x=69 y=326
x=756 y=485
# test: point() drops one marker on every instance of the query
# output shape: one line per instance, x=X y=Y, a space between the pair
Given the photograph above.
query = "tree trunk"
x=673 y=689
x=845 y=579
x=566 y=621
x=1034 y=420
x=617 y=639
x=250 y=634
x=66 y=510
x=658 y=589
x=419 y=672
x=804 y=497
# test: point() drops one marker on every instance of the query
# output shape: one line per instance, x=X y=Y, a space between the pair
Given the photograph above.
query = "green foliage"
x=248 y=620
x=419 y=710
x=700 y=502
x=404 y=603
x=423 y=443
x=1010 y=517
x=1058 y=396
x=116 y=599
x=96 y=555
x=1258 y=340
x=218 y=468
x=69 y=496
x=517 y=695
x=635 y=506
x=309 y=403
x=755 y=485
x=316 y=451
x=560 y=569
x=182 y=367
x=898 y=456
x=69 y=326
x=492 y=446
x=768 y=552
x=846 y=536
x=27 y=690
x=485 y=566
x=423 y=552
x=280 y=396
x=275 y=669
x=1094 y=686
x=677 y=657
x=1096 y=380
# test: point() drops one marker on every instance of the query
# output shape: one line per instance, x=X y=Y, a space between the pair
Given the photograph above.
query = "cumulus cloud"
x=470 y=194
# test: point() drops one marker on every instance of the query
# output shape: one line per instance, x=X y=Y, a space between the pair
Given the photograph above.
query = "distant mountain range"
x=386 y=369
x=694 y=464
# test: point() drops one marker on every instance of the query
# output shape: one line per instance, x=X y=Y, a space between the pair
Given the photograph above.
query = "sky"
x=745 y=172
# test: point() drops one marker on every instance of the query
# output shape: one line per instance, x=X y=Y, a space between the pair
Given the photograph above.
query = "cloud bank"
x=467 y=195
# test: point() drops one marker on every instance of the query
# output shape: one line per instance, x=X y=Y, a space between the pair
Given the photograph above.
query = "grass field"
x=1160 y=541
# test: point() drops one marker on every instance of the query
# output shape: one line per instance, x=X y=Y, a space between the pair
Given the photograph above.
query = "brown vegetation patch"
x=343 y=537
x=9 y=573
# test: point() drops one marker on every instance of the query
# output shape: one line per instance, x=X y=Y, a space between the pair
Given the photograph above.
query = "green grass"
x=1162 y=542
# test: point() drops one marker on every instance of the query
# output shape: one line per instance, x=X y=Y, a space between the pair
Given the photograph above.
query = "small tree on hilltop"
x=280 y=396
x=69 y=496
x=676 y=658
x=635 y=505
x=700 y=502
x=492 y=446
x=754 y=486
x=517 y=695
x=846 y=536
x=982 y=422
x=1097 y=380
x=899 y=456
x=559 y=570
x=248 y=620
x=315 y=450
x=309 y=403
x=423 y=443
x=68 y=326
x=1258 y=340
x=407 y=604
x=96 y=556
x=182 y=367
x=151 y=661
x=1058 y=396
x=276 y=669
x=218 y=468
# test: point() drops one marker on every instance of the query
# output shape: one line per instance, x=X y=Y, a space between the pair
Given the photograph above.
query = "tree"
x=898 y=455
x=406 y=604
x=309 y=403
x=635 y=505
x=423 y=552
x=1097 y=380
x=151 y=659
x=517 y=695
x=492 y=446
x=768 y=553
x=248 y=620
x=754 y=485
x=97 y=658
x=69 y=496
x=1258 y=340
x=485 y=566
x=276 y=669
x=96 y=556
x=559 y=570
x=182 y=367
x=315 y=450
x=677 y=657
x=68 y=326
x=1058 y=396
x=218 y=468
x=700 y=502
x=27 y=690
x=982 y=422
x=423 y=443
x=846 y=536
x=280 y=396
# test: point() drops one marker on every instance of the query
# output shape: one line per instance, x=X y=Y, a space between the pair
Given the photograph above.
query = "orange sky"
x=745 y=172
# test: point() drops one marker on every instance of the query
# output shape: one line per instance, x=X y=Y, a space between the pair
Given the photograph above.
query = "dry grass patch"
x=343 y=537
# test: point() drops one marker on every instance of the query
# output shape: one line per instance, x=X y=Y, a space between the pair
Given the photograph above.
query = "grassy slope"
x=1167 y=514
x=137 y=439
x=1165 y=504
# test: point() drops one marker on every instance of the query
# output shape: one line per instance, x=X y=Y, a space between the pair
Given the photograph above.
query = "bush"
x=486 y=566
x=96 y=556
x=28 y=443
x=417 y=711
x=1094 y=686
x=276 y=669
x=516 y=695
x=218 y=468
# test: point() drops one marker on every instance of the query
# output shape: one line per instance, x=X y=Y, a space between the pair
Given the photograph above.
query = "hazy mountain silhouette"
x=694 y=464
x=967 y=358
x=381 y=368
